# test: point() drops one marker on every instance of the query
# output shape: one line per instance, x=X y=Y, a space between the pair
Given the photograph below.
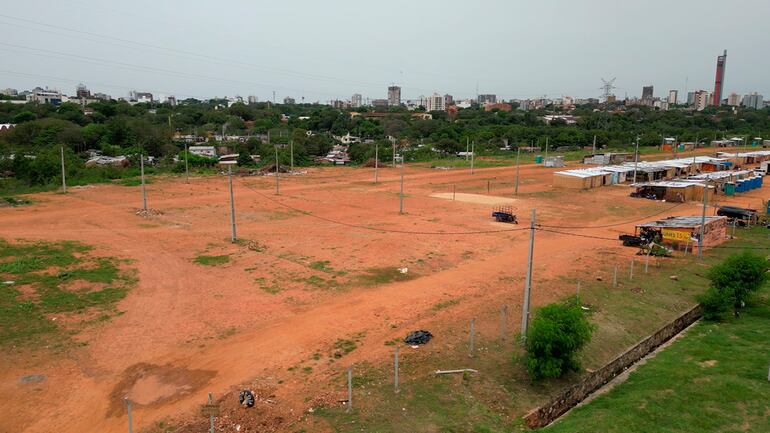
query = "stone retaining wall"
x=573 y=395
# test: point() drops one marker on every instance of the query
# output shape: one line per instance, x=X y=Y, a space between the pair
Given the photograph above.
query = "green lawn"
x=713 y=379
x=43 y=281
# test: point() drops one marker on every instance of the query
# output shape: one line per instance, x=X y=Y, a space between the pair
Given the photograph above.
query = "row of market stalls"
x=646 y=171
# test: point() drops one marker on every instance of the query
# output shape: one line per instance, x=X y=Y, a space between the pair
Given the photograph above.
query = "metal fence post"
x=130 y=420
x=350 y=388
x=615 y=277
x=395 y=370
x=631 y=273
x=470 y=353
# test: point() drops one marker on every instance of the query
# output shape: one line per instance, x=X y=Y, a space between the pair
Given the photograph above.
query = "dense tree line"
x=115 y=128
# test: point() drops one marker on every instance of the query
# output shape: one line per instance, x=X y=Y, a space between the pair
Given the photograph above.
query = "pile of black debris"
x=418 y=337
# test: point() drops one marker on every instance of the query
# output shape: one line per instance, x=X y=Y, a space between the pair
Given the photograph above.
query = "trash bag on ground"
x=246 y=398
x=418 y=337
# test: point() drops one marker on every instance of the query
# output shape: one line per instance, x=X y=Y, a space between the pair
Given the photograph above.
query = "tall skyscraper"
x=394 y=96
x=672 y=96
x=733 y=99
x=719 y=81
x=434 y=102
x=647 y=92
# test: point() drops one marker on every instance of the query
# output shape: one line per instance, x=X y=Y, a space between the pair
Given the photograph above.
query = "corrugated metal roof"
x=681 y=221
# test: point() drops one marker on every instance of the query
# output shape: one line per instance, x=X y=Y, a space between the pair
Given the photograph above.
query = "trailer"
x=504 y=214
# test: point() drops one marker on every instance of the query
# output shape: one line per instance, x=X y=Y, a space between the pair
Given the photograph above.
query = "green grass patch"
x=345 y=346
x=134 y=181
x=14 y=201
x=54 y=278
x=712 y=379
x=322 y=265
x=206 y=260
x=445 y=304
x=377 y=276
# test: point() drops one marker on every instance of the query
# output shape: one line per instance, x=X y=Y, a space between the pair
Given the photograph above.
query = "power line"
x=614 y=224
x=357 y=226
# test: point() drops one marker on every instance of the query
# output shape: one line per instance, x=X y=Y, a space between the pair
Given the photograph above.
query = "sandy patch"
x=474 y=198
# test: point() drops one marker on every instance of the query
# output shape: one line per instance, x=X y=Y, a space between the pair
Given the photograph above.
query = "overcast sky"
x=330 y=49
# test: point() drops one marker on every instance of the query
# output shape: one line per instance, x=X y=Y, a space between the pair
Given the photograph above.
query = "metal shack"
x=581 y=179
x=678 y=231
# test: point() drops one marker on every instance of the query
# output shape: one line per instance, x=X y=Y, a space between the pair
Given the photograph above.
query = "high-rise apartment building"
x=394 y=96
x=487 y=99
x=289 y=100
x=753 y=100
x=733 y=99
x=82 y=92
x=356 y=100
x=252 y=99
x=701 y=100
x=647 y=92
x=435 y=102
x=672 y=96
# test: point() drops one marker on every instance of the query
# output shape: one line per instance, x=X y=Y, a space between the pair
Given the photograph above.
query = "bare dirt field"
x=316 y=271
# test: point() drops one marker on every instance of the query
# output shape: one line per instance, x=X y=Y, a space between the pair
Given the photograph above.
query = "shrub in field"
x=554 y=339
x=732 y=283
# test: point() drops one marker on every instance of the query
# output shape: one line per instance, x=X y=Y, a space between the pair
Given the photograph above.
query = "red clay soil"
x=311 y=278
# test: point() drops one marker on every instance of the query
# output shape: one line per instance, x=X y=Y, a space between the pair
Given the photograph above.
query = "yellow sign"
x=676 y=235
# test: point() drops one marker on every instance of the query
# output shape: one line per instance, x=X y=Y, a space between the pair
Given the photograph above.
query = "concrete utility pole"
x=277 y=190
x=467 y=147
x=144 y=190
x=636 y=157
x=130 y=417
x=528 y=281
x=211 y=417
x=232 y=202
x=518 y=154
x=473 y=154
x=593 y=149
x=401 y=194
x=395 y=371
x=703 y=219
x=376 y=160
x=393 y=142
x=470 y=339
x=291 y=152
x=186 y=166
x=63 y=174
x=350 y=388
x=546 y=147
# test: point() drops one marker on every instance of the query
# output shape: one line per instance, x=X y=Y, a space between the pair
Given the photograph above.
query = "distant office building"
x=380 y=102
x=647 y=92
x=700 y=100
x=135 y=96
x=45 y=96
x=690 y=98
x=9 y=92
x=487 y=99
x=394 y=96
x=82 y=92
x=448 y=100
x=340 y=104
x=102 y=96
x=435 y=102
x=719 y=81
x=170 y=100
x=672 y=97
x=251 y=99
x=733 y=99
x=288 y=100
x=356 y=100
x=753 y=100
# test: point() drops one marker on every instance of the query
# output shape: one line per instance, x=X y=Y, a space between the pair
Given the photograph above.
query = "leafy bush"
x=732 y=283
x=554 y=339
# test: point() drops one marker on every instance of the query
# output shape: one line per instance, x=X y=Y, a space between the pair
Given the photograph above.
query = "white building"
x=434 y=102
x=45 y=96
x=356 y=100
x=753 y=100
x=700 y=100
x=672 y=96
x=733 y=99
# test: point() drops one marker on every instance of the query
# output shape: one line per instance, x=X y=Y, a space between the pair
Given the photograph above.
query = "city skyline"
x=45 y=43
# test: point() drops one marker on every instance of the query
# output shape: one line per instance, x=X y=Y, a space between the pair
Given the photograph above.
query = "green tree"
x=554 y=339
x=732 y=283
